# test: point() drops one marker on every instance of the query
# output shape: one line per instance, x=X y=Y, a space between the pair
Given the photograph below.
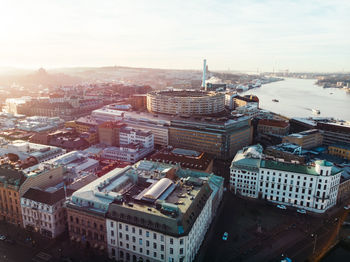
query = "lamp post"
x=315 y=240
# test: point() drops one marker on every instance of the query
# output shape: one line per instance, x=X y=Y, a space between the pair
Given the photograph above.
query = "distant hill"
x=39 y=78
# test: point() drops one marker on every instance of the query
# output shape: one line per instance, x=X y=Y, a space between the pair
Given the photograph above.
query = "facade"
x=335 y=132
x=273 y=127
x=220 y=137
x=129 y=135
x=185 y=102
x=86 y=125
x=140 y=214
x=306 y=139
x=129 y=153
x=43 y=211
x=14 y=183
x=108 y=133
x=313 y=187
x=245 y=100
x=106 y=114
x=340 y=150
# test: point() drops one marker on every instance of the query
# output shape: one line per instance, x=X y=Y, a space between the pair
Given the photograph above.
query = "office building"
x=306 y=139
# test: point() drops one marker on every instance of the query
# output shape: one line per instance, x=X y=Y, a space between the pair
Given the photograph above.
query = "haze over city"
x=236 y=35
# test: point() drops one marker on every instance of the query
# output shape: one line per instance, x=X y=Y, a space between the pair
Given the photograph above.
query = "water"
x=298 y=96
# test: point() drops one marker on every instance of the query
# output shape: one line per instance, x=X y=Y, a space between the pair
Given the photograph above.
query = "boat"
x=275 y=100
x=316 y=111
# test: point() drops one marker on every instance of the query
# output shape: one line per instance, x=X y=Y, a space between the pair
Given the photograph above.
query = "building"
x=193 y=160
x=334 y=132
x=185 y=102
x=107 y=114
x=245 y=100
x=306 y=139
x=166 y=217
x=273 y=127
x=310 y=187
x=14 y=183
x=129 y=135
x=129 y=153
x=43 y=211
x=340 y=150
x=229 y=102
x=39 y=123
x=108 y=133
x=220 y=137
x=25 y=150
x=85 y=125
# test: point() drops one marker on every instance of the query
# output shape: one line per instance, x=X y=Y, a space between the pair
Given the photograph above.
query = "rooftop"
x=273 y=122
x=184 y=93
x=46 y=197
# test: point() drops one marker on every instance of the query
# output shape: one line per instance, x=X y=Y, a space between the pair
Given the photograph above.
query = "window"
x=181 y=251
x=155 y=245
x=147 y=243
x=133 y=230
x=140 y=241
x=171 y=250
x=111 y=224
x=126 y=228
x=154 y=236
x=140 y=232
x=112 y=233
x=120 y=235
x=155 y=254
x=120 y=226
x=134 y=239
x=140 y=249
x=162 y=248
x=127 y=237
x=147 y=233
x=171 y=241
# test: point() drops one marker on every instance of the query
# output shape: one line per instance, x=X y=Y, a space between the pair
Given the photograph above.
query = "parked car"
x=225 y=236
x=347 y=207
x=2 y=237
x=301 y=211
x=282 y=207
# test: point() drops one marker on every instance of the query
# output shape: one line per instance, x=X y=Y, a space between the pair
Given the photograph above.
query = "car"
x=282 y=207
x=347 y=207
x=225 y=236
x=2 y=237
x=301 y=211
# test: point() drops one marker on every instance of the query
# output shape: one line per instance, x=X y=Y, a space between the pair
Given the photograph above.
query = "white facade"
x=128 y=136
x=313 y=188
x=129 y=153
x=127 y=242
x=48 y=219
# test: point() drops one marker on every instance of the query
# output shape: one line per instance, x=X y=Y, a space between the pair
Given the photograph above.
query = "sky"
x=244 y=35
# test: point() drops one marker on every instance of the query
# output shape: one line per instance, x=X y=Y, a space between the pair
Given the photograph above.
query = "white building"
x=129 y=153
x=106 y=114
x=43 y=211
x=313 y=187
x=129 y=135
x=25 y=149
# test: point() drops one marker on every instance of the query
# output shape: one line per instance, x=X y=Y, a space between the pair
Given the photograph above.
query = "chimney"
x=204 y=74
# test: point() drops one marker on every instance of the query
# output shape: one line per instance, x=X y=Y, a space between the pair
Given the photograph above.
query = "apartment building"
x=311 y=187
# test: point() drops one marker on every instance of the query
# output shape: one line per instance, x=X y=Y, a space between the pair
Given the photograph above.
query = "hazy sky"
x=301 y=35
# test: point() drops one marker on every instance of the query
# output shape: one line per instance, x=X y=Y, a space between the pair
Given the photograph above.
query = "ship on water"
x=316 y=111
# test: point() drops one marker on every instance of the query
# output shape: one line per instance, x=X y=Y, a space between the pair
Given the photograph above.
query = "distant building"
x=334 y=132
x=273 y=127
x=340 y=150
x=306 y=139
x=220 y=137
x=129 y=135
x=109 y=133
x=245 y=100
x=185 y=102
x=311 y=187
x=25 y=149
x=130 y=153
x=197 y=161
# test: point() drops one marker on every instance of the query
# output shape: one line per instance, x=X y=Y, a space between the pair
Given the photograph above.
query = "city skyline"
x=239 y=35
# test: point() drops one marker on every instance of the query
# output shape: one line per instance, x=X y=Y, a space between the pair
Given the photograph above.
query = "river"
x=298 y=96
